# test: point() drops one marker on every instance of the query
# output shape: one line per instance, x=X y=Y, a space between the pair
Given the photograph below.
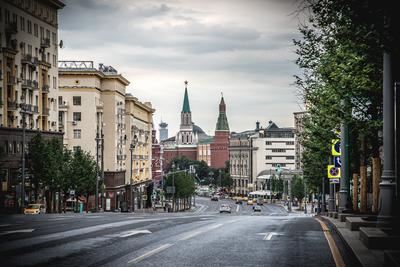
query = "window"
x=280 y=164
x=29 y=26
x=77 y=116
x=290 y=143
x=54 y=38
x=268 y=157
x=22 y=23
x=290 y=157
x=278 y=150
x=7 y=16
x=35 y=30
x=268 y=143
x=76 y=100
x=77 y=134
x=76 y=148
x=41 y=32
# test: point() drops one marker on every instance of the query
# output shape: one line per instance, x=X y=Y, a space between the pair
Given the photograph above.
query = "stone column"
x=388 y=180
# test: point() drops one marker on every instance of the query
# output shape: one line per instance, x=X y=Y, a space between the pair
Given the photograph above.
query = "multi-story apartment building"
x=240 y=158
x=139 y=120
x=92 y=116
x=275 y=147
x=28 y=79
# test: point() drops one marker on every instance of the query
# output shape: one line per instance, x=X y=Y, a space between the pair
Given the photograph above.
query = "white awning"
x=264 y=177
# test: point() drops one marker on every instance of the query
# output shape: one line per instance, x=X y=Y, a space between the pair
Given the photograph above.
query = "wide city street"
x=203 y=237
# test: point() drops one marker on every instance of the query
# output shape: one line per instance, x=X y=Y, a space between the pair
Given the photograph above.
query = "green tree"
x=83 y=174
x=297 y=185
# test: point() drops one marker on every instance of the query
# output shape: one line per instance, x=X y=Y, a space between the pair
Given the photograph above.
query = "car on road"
x=257 y=208
x=224 y=208
x=35 y=209
x=249 y=202
x=214 y=198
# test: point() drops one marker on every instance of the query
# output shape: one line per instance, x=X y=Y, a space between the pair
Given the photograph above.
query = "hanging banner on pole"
x=336 y=147
x=333 y=172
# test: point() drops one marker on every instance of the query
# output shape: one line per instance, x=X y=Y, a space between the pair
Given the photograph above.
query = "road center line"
x=149 y=253
x=237 y=208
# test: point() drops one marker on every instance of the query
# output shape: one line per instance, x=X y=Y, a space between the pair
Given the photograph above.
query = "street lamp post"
x=131 y=149
x=96 y=199
x=23 y=112
x=220 y=181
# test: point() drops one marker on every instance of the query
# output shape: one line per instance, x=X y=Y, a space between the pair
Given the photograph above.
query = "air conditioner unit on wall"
x=74 y=123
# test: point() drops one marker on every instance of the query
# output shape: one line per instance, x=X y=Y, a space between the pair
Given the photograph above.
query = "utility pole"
x=220 y=182
x=344 y=158
x=131 y=149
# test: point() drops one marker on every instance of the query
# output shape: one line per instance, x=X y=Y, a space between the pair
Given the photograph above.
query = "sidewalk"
x=367 y=257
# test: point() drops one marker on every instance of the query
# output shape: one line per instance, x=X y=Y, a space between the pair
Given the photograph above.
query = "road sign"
x=72 y=192
x=333 y=172
x=338 y=162
x=334 y=181
x=278 y=168
x=335 y=147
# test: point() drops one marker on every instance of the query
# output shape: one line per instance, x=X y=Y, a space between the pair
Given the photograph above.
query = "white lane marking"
x=150 y=253
x=237 y=208
x=134 y=232
x=191 y=234
x=270 y=235
x=17 y=231
x=4 y=225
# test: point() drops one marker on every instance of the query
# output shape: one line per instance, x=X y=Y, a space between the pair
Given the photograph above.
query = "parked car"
x=214 y=198
x=224 y=208
x=257 y=208
x=238 y=200
x=35 y=209
x=249 y=202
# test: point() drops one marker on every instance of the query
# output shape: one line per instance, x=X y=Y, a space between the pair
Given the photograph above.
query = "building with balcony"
x=92 y=116
x=28 y=80
x=138 y=121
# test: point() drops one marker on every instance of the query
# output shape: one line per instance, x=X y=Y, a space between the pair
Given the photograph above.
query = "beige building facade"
x=138 y=120
x=92 y=116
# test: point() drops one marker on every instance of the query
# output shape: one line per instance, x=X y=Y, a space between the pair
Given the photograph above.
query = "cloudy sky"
x=241 y=48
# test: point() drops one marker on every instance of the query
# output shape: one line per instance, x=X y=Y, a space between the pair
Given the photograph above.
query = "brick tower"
x=219 y=148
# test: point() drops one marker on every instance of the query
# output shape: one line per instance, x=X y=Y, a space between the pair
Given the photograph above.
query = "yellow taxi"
x=250 y=202
x=35 y=209
x=245 y=198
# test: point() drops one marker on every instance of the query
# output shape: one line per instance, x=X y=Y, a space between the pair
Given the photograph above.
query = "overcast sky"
x=242 y=48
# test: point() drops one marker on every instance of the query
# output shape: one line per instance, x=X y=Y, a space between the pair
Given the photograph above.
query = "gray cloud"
x=240 y=47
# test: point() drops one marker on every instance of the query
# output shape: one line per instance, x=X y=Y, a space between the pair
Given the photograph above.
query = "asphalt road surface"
x=204 y=237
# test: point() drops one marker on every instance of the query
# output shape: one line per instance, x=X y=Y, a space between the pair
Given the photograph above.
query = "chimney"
x=257 y=125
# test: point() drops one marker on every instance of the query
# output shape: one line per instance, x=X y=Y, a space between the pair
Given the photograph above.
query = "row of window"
x=26 y=25
x=288 y=143
x=287 y=157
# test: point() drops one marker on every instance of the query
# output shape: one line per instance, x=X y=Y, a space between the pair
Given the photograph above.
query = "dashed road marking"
x=150 y=253
x=17 y=231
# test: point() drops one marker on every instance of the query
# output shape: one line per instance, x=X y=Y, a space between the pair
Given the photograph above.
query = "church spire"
x=222 y=123
x=186 y=106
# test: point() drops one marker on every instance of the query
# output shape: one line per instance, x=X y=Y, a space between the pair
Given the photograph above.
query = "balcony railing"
x=28 y=59
x=121 y=157
x=12 y=80
x=63 y=105
x=29 y=84
x=45 y=88
x=45 y=43
x=12 y=105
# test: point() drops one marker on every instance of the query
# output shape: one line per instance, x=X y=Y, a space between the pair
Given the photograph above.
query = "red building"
x=219 y=147
x=156 y=160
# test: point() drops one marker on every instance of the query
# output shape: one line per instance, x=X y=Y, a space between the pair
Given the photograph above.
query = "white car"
x=224 y=208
